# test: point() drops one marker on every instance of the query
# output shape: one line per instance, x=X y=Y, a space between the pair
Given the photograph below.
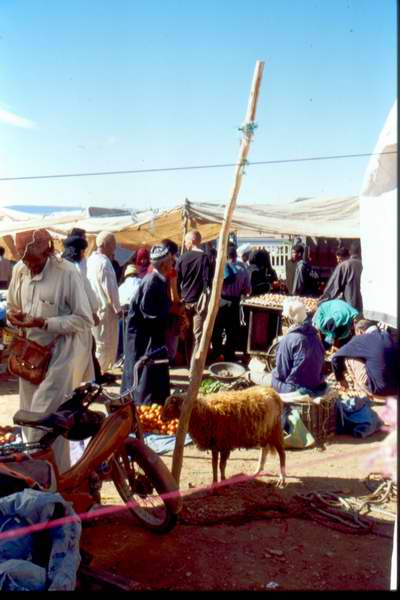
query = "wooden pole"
x=185 y=226
x=201 y=355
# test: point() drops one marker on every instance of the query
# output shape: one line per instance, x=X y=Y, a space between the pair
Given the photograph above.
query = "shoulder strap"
x=205 y=276
x=53 y=342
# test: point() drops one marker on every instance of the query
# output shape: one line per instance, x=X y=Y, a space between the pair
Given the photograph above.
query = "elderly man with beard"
x=46 y=299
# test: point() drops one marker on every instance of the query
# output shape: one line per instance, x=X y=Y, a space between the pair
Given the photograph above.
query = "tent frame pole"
x=196 y=373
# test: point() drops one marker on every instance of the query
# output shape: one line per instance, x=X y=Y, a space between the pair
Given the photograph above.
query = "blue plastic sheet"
x=161 y=444
x=356 y=417
x=17 y=571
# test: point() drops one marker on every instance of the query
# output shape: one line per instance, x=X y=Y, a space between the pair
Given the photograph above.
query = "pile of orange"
x=7 y=435
x=150 y=418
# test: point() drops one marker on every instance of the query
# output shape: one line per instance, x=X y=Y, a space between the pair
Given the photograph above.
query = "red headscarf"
x=141 y=254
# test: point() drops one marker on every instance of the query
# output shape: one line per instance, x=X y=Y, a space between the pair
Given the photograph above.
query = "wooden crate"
x=264 y=327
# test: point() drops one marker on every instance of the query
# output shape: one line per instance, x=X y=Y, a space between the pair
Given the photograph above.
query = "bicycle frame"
x=76 y=483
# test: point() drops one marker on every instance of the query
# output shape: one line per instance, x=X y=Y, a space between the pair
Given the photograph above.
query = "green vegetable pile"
x=209 y=386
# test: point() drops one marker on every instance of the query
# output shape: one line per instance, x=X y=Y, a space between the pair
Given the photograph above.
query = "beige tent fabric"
x=330 y=217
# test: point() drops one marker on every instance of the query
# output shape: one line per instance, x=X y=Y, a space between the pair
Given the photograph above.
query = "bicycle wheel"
x=271 y=355
x=146 y=485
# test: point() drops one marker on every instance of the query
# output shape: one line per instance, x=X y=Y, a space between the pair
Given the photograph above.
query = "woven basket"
x=319 y=418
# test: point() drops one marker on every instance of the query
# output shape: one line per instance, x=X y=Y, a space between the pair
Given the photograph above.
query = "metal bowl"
x=226 y=371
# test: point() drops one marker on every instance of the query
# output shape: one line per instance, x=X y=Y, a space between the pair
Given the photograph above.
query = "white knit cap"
x=102 y=237
x=158 y=252
x=294 y=310
x=244 y=249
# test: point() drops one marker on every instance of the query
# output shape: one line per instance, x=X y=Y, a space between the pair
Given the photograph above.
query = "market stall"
x=265 y=322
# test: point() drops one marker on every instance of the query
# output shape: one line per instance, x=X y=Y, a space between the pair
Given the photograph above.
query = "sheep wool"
x=228 y=420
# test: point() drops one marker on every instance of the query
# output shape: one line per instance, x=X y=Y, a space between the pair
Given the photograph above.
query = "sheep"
x=227 y=420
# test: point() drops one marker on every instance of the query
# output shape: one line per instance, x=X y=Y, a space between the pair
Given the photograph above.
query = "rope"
x=248 y=129
x=328 y=509
x=347 y=511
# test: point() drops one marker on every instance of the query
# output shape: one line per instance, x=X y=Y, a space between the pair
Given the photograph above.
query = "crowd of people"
x=98 y=312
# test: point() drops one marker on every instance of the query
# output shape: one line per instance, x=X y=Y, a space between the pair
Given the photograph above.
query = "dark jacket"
x=261 y=279
x=194 y=274
x=299 y=360
x=345 y=283
x=298 y=278
x=379 y=352
x=146 y=324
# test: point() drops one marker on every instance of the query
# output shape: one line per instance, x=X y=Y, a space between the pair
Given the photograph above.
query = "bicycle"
x=116 y=451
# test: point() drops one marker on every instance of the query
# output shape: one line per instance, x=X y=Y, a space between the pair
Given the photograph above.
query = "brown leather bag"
x=29 y=360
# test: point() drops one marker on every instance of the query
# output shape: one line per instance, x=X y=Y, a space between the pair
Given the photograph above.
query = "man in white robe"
x=47 y=299
x=102 y=278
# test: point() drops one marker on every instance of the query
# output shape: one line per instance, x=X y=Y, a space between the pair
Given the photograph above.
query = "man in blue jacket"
x=370 y=359
x=300 y=355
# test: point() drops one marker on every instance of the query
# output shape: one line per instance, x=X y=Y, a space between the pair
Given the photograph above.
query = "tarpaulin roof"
x=329 y=217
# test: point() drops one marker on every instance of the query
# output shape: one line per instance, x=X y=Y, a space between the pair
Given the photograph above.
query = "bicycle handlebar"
x=159 y=356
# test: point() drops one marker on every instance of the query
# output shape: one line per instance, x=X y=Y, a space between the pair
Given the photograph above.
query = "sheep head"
x=172 y=407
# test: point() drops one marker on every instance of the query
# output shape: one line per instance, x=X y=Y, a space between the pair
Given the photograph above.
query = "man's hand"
x=18 y=319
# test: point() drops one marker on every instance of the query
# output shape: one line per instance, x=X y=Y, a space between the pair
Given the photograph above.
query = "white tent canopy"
x=378 y=215
x=329 y=217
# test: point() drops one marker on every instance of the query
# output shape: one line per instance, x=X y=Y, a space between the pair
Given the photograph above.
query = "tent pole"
x=201 y=355
x=185 y=218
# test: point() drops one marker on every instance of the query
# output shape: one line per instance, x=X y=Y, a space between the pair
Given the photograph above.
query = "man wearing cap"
x=46 y=299
x=299 y=357
x=146 y=325
x=103 y=280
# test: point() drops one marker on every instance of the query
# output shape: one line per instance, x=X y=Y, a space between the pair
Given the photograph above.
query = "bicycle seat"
x=32 y=419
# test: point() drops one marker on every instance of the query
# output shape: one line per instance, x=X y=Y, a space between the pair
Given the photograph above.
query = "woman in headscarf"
x=262 y=275
x=142 y=261
x=47 y=299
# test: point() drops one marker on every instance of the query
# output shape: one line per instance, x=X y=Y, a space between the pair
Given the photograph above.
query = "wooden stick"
x=200 y=358
x=185 y=225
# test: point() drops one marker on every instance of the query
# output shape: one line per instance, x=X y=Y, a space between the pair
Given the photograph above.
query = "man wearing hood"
x=47 y=299
x=300 y=355
x=243 y=253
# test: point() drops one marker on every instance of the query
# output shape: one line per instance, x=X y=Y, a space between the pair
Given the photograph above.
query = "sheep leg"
x=224 y=455
x=261 y=460
x=280 y=448
x=215 y=465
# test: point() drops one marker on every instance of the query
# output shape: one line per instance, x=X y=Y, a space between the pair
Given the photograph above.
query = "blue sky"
x=94 y=85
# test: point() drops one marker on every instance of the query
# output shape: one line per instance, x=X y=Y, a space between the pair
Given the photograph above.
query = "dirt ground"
x=249 y=535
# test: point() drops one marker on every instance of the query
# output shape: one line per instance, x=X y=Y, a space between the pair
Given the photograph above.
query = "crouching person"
x=300 y=355
x=370 y=360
